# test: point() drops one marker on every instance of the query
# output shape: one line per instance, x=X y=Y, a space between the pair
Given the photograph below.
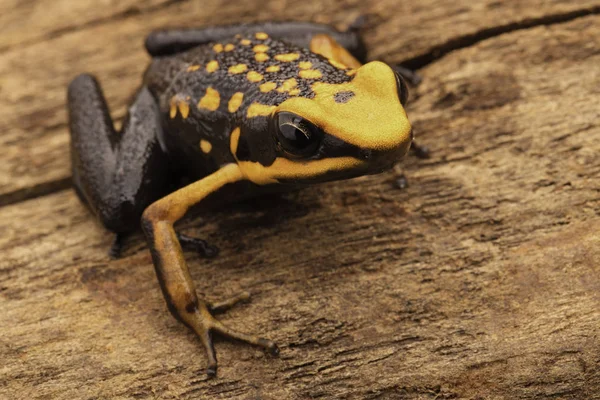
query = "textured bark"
x=481 y=280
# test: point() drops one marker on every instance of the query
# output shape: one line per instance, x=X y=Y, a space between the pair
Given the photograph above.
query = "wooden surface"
x=479 y=281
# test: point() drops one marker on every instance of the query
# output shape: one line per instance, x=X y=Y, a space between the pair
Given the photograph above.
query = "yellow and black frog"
x=276 y=104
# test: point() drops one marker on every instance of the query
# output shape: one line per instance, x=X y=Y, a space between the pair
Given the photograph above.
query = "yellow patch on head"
x=205 y=146
x=288 y=85
x=193 y=68
x=238 y=69
x=212 y=66
x=311 y=74
x=245 y=42
x=273 y=68
x=283 y=168
x=305 y=65
x=235 y=102
x=259 y=110
x=229 y=47
x=260 y=48
x=210 y=101
x=261 y=57
x=373 y=119
x=289 y=57
x=254 y=76
x=267 y=87
x=217 y=48
x=234 y=140
x=261 y=36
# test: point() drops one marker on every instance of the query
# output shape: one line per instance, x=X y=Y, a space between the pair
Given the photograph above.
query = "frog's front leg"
x=172 y=271
x=118 y=174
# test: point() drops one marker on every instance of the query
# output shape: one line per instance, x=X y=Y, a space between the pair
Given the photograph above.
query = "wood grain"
x=479 y=281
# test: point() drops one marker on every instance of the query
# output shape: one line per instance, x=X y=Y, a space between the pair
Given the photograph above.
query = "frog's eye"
x=297 y=136
x=402 y=89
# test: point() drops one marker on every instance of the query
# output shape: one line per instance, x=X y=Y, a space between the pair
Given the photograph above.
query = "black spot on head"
x=343 y=97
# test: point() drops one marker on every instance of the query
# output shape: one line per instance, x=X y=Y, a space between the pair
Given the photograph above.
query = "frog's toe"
x=200 y=246
x=222 y=306
x=204 y=324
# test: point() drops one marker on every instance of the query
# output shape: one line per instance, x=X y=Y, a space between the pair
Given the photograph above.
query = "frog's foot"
x=200 y=246
x=204 y=324
x=409 y=75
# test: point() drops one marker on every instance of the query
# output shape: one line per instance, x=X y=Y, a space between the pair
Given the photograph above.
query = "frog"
x=249 y=108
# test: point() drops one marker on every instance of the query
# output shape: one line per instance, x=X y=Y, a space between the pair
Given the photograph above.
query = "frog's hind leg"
x=171 y=41
x=118 y=174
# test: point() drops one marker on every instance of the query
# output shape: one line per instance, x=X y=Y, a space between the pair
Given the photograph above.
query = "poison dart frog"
x=251 y=106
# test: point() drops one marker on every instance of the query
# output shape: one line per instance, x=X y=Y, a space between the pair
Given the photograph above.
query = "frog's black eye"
x=402 y=89
x=297 y=136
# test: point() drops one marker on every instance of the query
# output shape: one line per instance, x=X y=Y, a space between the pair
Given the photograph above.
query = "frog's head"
x=342 y=130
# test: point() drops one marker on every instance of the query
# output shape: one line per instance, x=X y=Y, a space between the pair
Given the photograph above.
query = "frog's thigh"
x=116 y=174
x=328 y=47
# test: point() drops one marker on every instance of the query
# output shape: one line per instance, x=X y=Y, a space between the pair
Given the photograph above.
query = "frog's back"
x=207 y=92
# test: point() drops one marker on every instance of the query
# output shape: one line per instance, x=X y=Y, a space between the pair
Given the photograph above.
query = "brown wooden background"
x=480 y=281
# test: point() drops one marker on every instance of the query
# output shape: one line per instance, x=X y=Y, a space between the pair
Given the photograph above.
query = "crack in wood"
x=461 y=42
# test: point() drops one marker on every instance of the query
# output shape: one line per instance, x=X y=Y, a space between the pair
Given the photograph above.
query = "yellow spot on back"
x=179 y=103
x=351 y=72
x=192 y=68
x=311 y=74
x=294 y=92
x=273 y=68
x=234 y=139
x=212 y=66
x=305 y=65
x=210 y=101
x=238 y=69
x=245 y=42
x=235 y=102
x=288 y=85
x=261 y=57
x=267 y=87
x=205 y=146
x=229 y=47
x=218 y=48
x=261 y=36
x=254 y=76
x=184 y=109
x=287 y=57
x=259 y=110
x=260 y=48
